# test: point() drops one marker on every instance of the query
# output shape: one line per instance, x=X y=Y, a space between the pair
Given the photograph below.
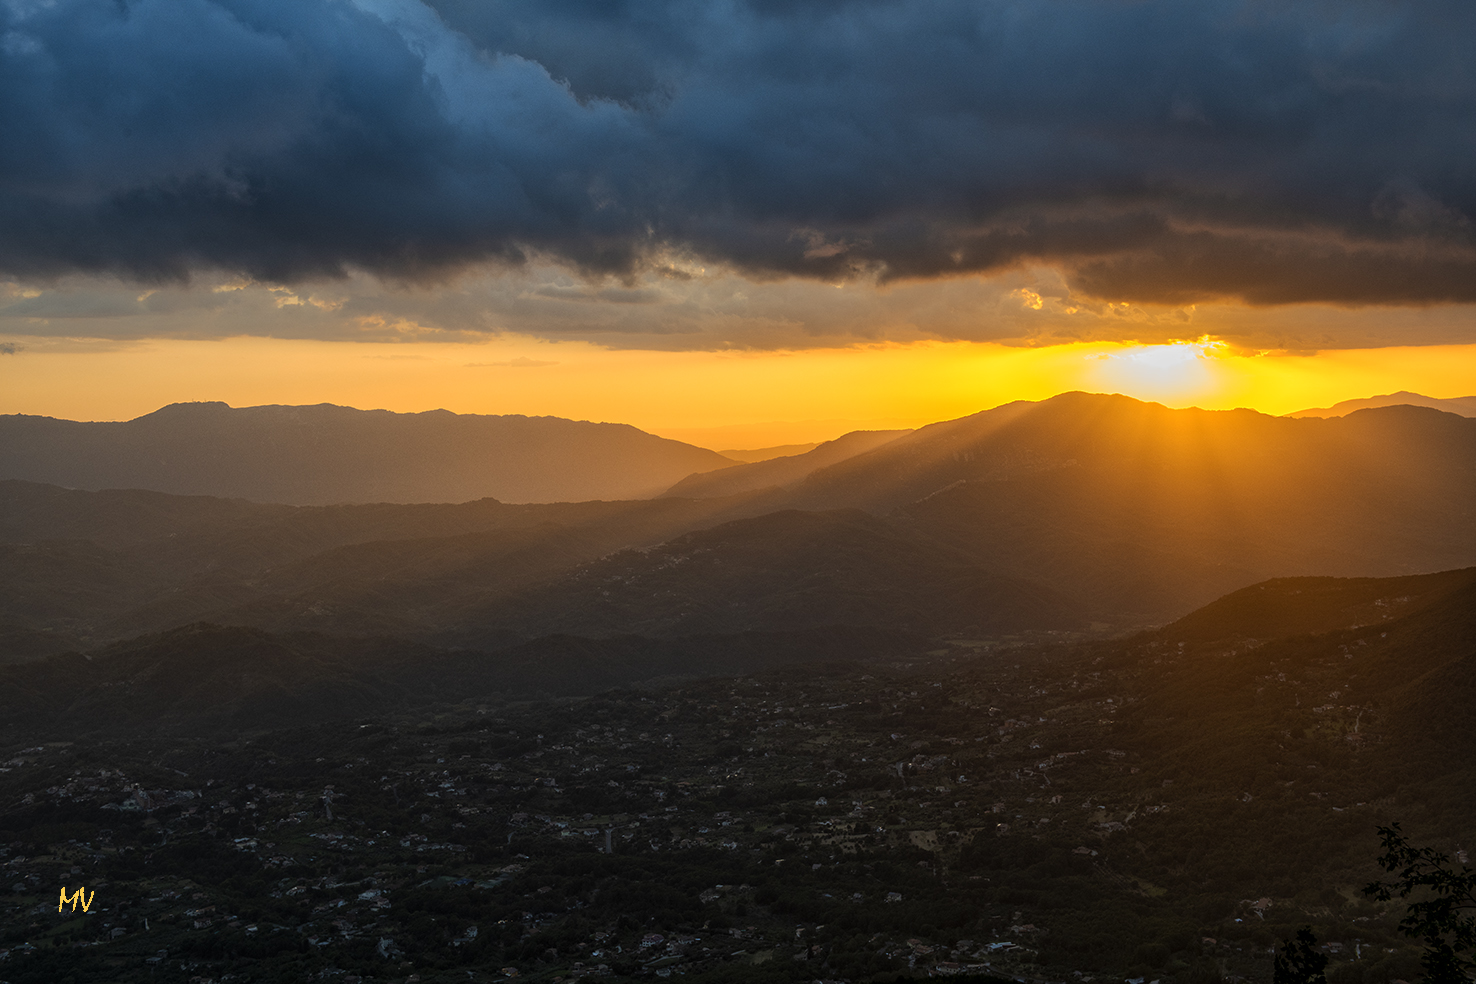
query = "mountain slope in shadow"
x=1136 y=508
x=781 y=471
x=783 y=571
x=79 y=569
x=1398 y=683
x=1310 y=605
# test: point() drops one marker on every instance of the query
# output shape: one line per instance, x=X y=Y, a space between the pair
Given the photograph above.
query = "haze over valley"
x=737 y=492
x=995 y=577
x=1077 y=511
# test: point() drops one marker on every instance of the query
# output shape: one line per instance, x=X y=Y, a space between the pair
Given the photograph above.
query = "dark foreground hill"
x=1361 y=664
x=1308 y=605
x=325 y=454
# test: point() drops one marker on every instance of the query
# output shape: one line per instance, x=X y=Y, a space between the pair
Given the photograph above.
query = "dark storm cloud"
x=1161 y=150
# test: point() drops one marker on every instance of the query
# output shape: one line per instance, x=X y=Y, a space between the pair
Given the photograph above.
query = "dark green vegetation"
x=1165 y=806
x=1299 y=962
x=1441 y=911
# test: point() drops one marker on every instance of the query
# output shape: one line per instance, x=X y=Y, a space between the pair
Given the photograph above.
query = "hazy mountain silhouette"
x=781 y=471
x=242 y=532
x=481 y=574
x=1045 y=515
x=751 y=455
x=1462 y=405
x=83 y=568
x=318 y=455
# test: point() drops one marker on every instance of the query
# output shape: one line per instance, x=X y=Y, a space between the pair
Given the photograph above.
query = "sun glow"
x=746 y=399
x=1176 y=370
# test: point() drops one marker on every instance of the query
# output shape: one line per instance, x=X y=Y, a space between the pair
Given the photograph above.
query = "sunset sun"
x=1179 y=370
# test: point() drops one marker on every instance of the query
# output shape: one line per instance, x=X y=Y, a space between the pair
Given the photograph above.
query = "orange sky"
x=727 y=399
x=688 y=227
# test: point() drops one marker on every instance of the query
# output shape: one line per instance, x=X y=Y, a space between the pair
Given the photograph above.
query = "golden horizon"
x=734 y=398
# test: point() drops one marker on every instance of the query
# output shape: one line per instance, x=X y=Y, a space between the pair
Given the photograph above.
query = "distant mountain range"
x=1082 y=513
x=1463 y=405
x=325 y=454
x=749 y=455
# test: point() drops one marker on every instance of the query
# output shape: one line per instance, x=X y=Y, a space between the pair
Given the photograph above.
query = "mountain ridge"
x=1464 y=406
x=325 y=454
x=783 y=470
x=1101 y=497
x=1120 y=512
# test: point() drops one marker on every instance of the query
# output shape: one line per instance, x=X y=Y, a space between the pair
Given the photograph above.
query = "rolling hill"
x=1384 y=668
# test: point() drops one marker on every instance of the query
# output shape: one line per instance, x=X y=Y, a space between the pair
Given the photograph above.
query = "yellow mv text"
x=76 y=897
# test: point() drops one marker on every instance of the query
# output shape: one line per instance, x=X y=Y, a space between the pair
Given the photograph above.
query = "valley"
x=737 y=492
x=1080 y=691
x=1066 y=811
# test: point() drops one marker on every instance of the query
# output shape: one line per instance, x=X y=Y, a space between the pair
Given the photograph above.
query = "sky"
x=737 y=222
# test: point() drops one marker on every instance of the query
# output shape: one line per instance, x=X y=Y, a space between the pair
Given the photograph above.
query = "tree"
x=1298 y=962
x=1443 y=914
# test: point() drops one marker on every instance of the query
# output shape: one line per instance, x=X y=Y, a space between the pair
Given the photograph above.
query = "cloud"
x=1149 y=151
x=9 y=348
x=708 y=311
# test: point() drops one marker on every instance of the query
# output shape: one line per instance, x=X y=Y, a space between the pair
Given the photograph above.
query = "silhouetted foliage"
x=1443 y=914
x=1298 y=962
